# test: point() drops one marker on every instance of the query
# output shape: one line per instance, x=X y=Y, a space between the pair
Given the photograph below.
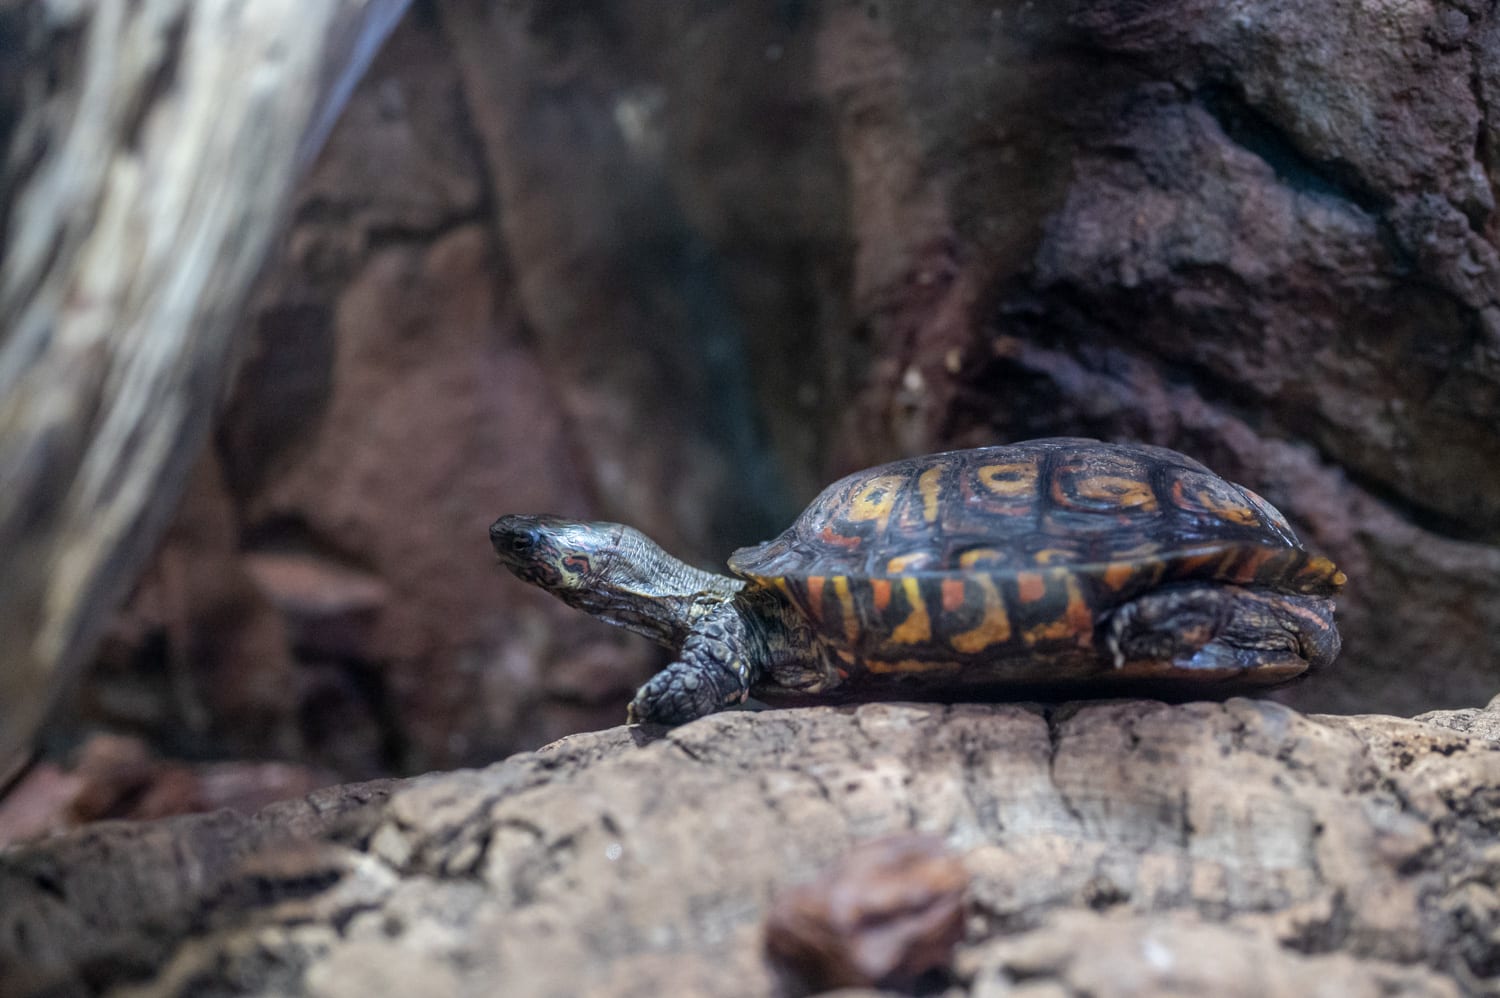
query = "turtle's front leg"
x=714 y=670
x=1169 y=623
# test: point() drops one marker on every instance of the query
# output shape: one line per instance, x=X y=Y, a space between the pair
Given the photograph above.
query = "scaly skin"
x=612 y=572
x=716 y=668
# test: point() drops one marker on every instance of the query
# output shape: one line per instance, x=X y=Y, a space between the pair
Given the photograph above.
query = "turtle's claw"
x=677 y=694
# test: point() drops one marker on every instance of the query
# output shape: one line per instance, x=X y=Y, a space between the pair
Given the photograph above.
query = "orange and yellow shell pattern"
x=967 y=556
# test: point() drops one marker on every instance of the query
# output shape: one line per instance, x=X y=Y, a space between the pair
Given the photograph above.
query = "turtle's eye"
x=522 y=543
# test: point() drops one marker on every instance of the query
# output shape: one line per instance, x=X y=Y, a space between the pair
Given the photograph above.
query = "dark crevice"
x=372 y=685
x=293 y=534
x=163 y=78
x=1327 y=935
x=1185 y=828
x=1054 y=745
x=49 y=884
x=338 y=214
x=470 y=871
x=977 y=793
x=381 y=236
x=1101 y=893
x=823 y=792
x=686 y=750
x=344 y=917
x=38 y=62
x=1254 y=132
x=282 y=391
x=265 y=890
x=1479 y=215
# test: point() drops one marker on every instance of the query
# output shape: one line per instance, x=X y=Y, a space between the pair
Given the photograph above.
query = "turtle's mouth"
x=525 y=548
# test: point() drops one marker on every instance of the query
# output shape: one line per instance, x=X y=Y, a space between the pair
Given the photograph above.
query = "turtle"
x=1050 y=568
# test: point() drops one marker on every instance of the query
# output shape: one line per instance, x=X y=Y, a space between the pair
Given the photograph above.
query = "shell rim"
x=1327 y=577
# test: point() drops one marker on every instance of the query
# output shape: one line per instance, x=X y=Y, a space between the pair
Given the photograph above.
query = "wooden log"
x=152 y=149
x=1116 y=848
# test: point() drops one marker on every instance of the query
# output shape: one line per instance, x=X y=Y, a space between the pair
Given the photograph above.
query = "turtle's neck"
x=644 y=589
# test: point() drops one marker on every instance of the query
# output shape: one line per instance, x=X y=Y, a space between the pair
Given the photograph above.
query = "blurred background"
x=679 y=265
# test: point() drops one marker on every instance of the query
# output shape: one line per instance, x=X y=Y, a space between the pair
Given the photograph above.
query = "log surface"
x=1112 y=848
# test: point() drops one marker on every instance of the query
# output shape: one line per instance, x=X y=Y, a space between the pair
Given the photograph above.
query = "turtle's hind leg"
x=714 y=670
x=1198 y=629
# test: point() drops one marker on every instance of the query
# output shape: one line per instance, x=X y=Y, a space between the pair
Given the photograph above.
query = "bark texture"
x=1110 y=849
x=150 y=150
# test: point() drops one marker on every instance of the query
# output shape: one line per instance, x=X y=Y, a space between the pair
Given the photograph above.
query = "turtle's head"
x=610 y=570
x=557 y=554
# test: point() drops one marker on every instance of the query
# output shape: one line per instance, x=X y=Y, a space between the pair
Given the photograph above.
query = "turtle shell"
x=973 y=555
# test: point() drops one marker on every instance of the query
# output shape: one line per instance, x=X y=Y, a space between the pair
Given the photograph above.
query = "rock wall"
x=680 y=267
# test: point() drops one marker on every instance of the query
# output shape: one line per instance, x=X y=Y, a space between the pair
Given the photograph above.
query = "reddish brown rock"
x=888 y=915
x=114 y=777
x=329 y=609
x=199 y=657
